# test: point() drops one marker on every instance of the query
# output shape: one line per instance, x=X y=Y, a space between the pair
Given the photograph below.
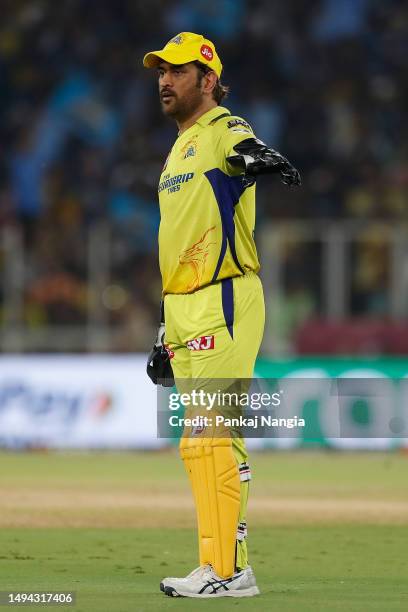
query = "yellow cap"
x=183 y=48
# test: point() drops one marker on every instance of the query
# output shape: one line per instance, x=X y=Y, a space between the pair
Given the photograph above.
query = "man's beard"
x=182 y=109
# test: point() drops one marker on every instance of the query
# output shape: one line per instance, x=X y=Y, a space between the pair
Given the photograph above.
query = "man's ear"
x=209 y=82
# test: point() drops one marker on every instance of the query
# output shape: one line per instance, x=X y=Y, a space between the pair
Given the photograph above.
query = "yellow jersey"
x=207 y=214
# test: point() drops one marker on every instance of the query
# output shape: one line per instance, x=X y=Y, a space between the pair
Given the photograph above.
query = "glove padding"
x=255 y=158
x=159 y=367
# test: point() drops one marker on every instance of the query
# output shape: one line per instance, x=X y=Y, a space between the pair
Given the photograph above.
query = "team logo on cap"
x=207 y=52
x=177 y=40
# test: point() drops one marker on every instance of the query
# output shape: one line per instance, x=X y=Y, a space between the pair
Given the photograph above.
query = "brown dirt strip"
x=28 y=507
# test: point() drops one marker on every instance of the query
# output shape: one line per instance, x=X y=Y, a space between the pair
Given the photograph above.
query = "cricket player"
x=213 y=317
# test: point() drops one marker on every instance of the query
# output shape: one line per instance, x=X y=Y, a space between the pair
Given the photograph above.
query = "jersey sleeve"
x=231 y=131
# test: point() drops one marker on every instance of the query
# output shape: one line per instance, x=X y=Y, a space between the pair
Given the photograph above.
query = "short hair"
x=220 y=91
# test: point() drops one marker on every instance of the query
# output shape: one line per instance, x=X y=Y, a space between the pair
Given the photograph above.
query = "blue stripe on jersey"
x=227 y=191
x=227 y=290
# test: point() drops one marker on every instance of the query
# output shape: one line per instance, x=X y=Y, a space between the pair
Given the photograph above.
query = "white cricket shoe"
x=204 y=582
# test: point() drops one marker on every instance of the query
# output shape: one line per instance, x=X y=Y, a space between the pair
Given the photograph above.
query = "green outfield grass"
x=327 y=531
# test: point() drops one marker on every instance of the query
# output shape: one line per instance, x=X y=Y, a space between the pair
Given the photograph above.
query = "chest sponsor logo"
x=174 y=183
x=204 y=343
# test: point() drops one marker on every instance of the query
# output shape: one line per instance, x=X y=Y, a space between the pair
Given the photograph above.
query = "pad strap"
x=242 y=531
x=244 y=472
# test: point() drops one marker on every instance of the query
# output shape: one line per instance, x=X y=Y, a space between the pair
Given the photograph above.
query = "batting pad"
x=214 y=477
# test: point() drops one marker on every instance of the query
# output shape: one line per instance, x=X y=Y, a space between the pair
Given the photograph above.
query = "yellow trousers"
x=214 y=335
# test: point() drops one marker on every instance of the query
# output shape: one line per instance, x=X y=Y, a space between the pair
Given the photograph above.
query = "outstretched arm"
x=254 y=158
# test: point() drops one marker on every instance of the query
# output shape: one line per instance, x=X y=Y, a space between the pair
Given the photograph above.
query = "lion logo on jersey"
x=189 y=149
x=196 y=257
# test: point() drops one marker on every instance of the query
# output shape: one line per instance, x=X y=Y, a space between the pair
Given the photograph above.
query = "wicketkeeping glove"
x=255 y=158
x=159 y=367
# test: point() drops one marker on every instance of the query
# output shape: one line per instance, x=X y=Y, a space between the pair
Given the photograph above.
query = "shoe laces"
x=202 y=570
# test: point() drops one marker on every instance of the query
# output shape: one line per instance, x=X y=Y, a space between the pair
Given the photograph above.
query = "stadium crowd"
x=83 y=140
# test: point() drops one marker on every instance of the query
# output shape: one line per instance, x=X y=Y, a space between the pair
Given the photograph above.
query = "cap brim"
x=154 y=58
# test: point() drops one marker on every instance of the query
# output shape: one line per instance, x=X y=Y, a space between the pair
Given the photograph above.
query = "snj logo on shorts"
x=204 y=343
